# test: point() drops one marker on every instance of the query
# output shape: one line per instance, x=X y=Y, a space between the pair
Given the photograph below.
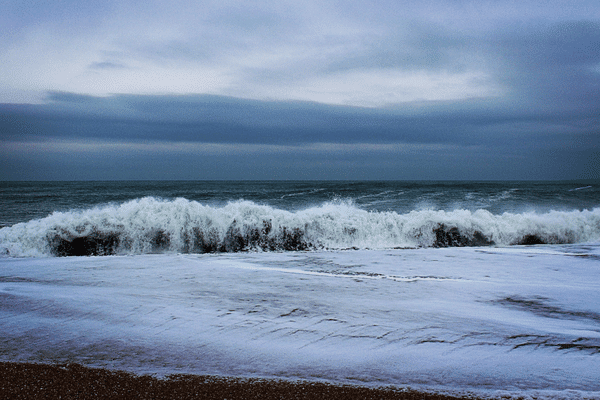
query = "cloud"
x=553 y=66
x=307 y=82
x=255 y=50
x=106 y=65
x=493 y=137
x=565 y=44
x=348 y=53
x=218 y=119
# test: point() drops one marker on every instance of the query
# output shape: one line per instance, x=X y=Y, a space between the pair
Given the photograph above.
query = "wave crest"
x=150 y=225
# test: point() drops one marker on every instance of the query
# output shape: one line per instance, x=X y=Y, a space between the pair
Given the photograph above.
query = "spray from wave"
x=150 y=225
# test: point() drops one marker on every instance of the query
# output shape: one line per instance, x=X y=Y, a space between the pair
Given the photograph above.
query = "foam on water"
x=153 y=225
x=507 y=322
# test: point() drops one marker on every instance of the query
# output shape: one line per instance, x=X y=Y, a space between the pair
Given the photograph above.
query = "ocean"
x=485 y=288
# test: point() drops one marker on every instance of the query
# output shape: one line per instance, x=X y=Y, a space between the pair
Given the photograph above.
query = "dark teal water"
x=24 y=201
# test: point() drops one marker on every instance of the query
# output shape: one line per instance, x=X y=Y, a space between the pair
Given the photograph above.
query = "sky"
x=182 y=89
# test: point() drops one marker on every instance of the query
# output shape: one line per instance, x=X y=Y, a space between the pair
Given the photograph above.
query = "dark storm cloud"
x=566 y=44
x=555 y=66
x=198 y=118
x=216 y=119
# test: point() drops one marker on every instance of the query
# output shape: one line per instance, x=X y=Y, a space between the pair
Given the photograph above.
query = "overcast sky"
x=184 y=89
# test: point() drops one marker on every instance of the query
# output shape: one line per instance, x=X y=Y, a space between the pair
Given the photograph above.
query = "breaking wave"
x=150 y=225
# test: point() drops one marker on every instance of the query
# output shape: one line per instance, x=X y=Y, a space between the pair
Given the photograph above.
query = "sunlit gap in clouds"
x=374 y=88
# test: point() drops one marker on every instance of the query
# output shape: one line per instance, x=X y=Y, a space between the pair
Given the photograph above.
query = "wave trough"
x=151 y=225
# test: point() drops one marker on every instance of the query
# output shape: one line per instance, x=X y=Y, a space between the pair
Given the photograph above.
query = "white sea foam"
x=151 y=225
x=503 y=322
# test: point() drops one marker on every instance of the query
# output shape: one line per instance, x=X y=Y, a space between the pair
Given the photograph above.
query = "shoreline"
x=75 y=381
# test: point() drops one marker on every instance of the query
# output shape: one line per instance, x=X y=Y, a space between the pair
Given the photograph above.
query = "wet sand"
x=74 y=381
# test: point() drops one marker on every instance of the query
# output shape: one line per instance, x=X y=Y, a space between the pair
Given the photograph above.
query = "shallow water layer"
x=510 y=320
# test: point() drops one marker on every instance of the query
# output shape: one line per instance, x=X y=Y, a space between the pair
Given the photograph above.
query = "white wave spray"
x=150 y=225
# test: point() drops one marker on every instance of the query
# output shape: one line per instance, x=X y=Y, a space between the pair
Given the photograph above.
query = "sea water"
x=466 y=287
